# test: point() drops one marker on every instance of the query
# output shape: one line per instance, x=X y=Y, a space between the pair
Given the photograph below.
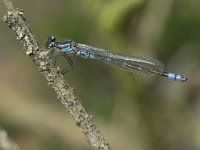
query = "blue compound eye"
x=50 y=42
x=52 y=38
x=50 y=45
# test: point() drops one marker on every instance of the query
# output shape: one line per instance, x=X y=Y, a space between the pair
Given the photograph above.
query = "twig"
x=17 y=22
x=6 y=143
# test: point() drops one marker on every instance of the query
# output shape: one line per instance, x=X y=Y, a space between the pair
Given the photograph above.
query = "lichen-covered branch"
x=17 y=22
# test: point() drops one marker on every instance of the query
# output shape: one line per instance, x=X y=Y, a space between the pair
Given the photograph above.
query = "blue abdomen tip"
x=177 y=77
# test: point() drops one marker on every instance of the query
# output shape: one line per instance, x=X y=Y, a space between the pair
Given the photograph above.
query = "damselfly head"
x=50 y=42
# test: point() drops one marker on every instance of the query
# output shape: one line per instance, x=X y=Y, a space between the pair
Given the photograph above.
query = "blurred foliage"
x=133 y=111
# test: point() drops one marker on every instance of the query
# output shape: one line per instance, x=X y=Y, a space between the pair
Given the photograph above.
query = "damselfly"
x=136 y=64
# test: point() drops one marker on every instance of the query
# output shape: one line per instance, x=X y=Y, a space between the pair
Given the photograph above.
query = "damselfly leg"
x=53 y=56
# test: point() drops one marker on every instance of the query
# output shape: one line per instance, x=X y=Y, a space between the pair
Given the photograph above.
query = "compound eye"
x=50 y=42
x=52 y=38
x=50 y=45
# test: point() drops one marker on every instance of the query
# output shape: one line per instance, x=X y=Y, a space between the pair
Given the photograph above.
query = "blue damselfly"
x=136 y=64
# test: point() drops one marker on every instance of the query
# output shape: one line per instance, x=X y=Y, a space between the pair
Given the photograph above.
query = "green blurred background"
x=134 y=112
